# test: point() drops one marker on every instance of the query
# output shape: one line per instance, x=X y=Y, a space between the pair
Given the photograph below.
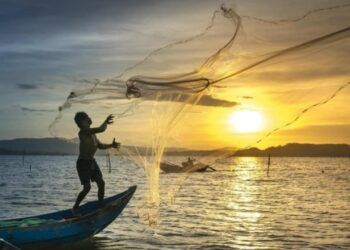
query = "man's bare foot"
x=76 y=212
x=101 y=204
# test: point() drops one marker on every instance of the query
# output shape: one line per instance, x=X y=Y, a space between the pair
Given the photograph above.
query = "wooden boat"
x=62 y=227
x=4 y=245
x=169 y=167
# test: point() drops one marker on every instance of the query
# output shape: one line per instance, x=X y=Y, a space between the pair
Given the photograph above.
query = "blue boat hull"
x=62 y=227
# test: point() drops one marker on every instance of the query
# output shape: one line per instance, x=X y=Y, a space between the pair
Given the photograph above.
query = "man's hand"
x=109 y=120
x=102 y=127
x=115 y=144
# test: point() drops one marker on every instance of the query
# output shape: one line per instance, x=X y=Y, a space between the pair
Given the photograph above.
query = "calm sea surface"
x=303 y=204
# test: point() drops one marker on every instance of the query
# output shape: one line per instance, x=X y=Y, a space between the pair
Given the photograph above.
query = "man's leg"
x=82 y=194
x=98 y=178
x=101 y=190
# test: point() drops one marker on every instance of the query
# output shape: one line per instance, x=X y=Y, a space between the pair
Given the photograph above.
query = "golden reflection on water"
x=242 y=196
x=303 y=203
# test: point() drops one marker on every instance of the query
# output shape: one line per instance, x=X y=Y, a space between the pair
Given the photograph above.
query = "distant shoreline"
x=186 y=155
x=64 y=147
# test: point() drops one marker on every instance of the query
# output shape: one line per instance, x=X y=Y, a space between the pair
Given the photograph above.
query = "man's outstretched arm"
x=106 y=146
x=102 y=128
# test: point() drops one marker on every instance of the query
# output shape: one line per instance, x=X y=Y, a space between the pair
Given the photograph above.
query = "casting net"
x=285 y=62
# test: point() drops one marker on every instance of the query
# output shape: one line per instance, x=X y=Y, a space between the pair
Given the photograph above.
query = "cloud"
x=331 y=133
x=329 y=65
x=26 y=109
x=26 y=86
x=246 y=97
x=206 y=100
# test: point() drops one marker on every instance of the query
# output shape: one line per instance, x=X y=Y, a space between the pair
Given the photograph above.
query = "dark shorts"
x=88 y=170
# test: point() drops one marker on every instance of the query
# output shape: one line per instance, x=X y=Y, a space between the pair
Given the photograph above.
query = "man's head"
x=82 y=120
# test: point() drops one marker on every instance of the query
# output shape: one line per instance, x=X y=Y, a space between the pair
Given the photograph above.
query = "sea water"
x=304 y=203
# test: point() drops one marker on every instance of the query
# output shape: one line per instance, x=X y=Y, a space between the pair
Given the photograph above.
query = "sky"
x=47 y=48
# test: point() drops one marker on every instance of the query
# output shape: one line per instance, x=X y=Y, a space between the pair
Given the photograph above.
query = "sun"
x=246 y=121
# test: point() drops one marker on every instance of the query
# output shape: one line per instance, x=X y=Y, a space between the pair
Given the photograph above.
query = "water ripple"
x=297 y=207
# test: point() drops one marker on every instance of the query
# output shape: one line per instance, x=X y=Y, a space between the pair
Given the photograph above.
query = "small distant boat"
x=58 y=228
x=190 y=166
x=169 y=167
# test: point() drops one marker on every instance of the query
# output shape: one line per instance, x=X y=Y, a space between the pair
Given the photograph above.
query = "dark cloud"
x=59 y=38
x=26 y=86
x=246 y=97
x=26 y=109
x=206 y=100
x=31 y=20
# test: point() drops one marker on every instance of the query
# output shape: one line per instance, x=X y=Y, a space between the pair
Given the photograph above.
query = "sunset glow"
x=246 y=121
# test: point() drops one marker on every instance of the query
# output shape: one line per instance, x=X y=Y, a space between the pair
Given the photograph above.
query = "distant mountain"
x=300 y=150
x=61 y=146
x=55 y=146
x=8 y=152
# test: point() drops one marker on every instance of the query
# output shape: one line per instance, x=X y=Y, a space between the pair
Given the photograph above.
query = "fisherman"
x=187 y=163
x=87 y=167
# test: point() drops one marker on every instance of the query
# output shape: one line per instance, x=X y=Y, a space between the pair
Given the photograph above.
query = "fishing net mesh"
x=180 y=95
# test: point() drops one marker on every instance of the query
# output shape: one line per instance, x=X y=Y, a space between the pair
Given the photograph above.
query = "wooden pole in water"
x=107 y=159
x=109 y=164
x=24 y=152
x=268 y=165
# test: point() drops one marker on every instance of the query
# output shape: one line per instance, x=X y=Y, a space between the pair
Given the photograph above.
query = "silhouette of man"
x=87 y=167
